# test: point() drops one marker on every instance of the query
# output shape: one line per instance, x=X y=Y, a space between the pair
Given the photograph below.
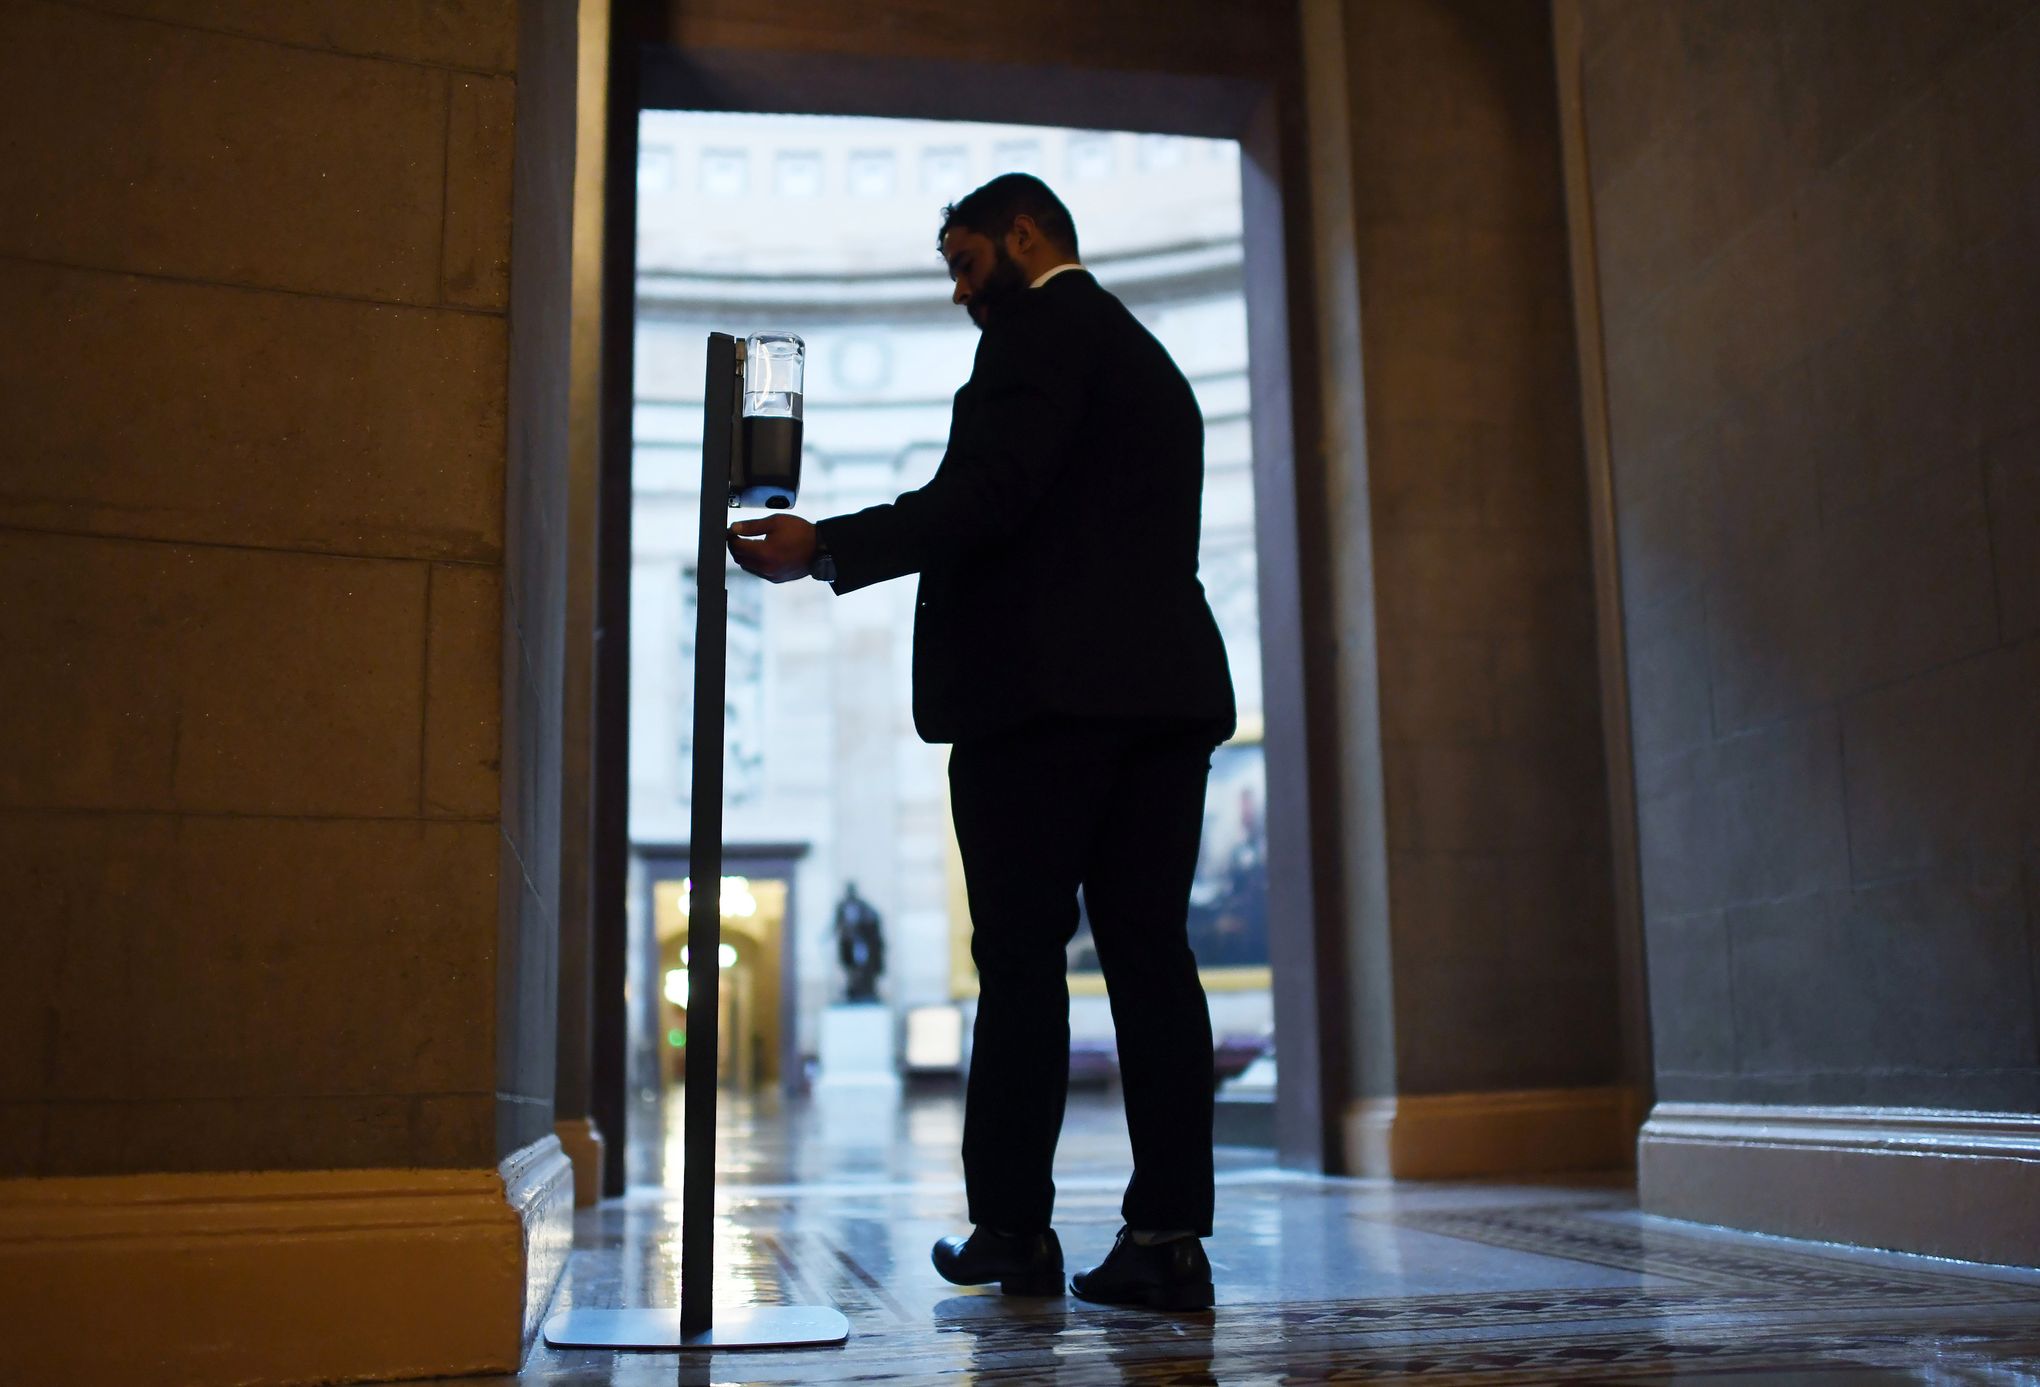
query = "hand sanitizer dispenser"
x=750 y=456
x=766 y=469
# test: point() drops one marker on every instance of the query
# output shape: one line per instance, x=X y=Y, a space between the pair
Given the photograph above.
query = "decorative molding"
x=1946 y=1183
x=1893 y=1131
x=280 y=1276
x=582 y=1140
x=1502 y=1132
x=538 y=1185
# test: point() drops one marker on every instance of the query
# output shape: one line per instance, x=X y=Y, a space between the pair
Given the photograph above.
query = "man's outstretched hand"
x=779 y=547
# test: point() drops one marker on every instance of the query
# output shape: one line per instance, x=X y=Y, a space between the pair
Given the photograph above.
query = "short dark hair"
x=991 y=210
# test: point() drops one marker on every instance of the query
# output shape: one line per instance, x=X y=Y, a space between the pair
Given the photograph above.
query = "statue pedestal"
x=857 y=1048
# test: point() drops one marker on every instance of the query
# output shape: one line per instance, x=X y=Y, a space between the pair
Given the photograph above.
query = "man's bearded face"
x=986 y=275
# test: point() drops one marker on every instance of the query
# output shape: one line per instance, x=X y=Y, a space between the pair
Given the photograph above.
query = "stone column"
x=273 y=528
x=573 y=1081
x=1481 y=961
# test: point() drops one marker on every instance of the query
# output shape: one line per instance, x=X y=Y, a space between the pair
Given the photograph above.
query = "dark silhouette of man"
x=1063 y=644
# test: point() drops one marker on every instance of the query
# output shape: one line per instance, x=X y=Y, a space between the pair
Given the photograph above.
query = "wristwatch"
x=823 y=565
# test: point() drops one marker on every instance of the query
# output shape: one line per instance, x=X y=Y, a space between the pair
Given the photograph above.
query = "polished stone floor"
x=837 y=1201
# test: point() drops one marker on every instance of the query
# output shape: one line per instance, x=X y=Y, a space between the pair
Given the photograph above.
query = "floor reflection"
x=836 y=1201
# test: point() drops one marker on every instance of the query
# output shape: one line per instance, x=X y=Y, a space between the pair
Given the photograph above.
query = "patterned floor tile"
x=1321 y=1281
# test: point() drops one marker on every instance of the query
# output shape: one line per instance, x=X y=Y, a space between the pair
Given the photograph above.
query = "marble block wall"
x=255 y=271
x=1816 y=224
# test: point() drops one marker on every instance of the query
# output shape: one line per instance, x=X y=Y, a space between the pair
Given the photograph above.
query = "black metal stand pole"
x=704 y=849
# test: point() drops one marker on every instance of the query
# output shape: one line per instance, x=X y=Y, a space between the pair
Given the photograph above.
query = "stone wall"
x=1816 y=224
x=1502 y=928
x=254 y=266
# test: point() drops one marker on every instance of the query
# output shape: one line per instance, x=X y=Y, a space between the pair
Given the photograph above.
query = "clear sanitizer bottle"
x=769 y=471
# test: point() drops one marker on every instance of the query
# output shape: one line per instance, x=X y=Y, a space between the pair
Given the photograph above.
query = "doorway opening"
x=825 y=226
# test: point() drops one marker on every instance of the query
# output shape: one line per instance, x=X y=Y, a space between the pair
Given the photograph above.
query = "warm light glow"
x=737 y=901
x=676 y=985
x=725 y=957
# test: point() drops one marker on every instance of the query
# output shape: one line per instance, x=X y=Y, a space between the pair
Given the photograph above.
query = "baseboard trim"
x=281 y=1276
x=1945 y=1183
x=1433 y=1136
x=538 y=1186
x=582 y=1140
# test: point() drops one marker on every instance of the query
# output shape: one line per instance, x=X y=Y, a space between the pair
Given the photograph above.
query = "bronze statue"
x=860 y=944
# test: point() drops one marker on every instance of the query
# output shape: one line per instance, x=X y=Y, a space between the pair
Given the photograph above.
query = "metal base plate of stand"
x=754 y=1326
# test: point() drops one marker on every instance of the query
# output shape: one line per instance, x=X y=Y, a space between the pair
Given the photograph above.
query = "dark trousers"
x=1115 y=809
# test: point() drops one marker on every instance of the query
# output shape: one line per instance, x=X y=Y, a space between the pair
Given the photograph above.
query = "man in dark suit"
x=1063 y=643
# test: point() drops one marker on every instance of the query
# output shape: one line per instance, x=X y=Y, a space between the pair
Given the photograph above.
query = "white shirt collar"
x=1045 y=278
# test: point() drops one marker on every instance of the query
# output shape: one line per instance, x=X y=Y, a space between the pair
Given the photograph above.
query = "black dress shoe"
x=1022 y=1263
x=1173 y=1275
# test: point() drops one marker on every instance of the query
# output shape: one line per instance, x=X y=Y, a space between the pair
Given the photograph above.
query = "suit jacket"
x=1057 y=541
